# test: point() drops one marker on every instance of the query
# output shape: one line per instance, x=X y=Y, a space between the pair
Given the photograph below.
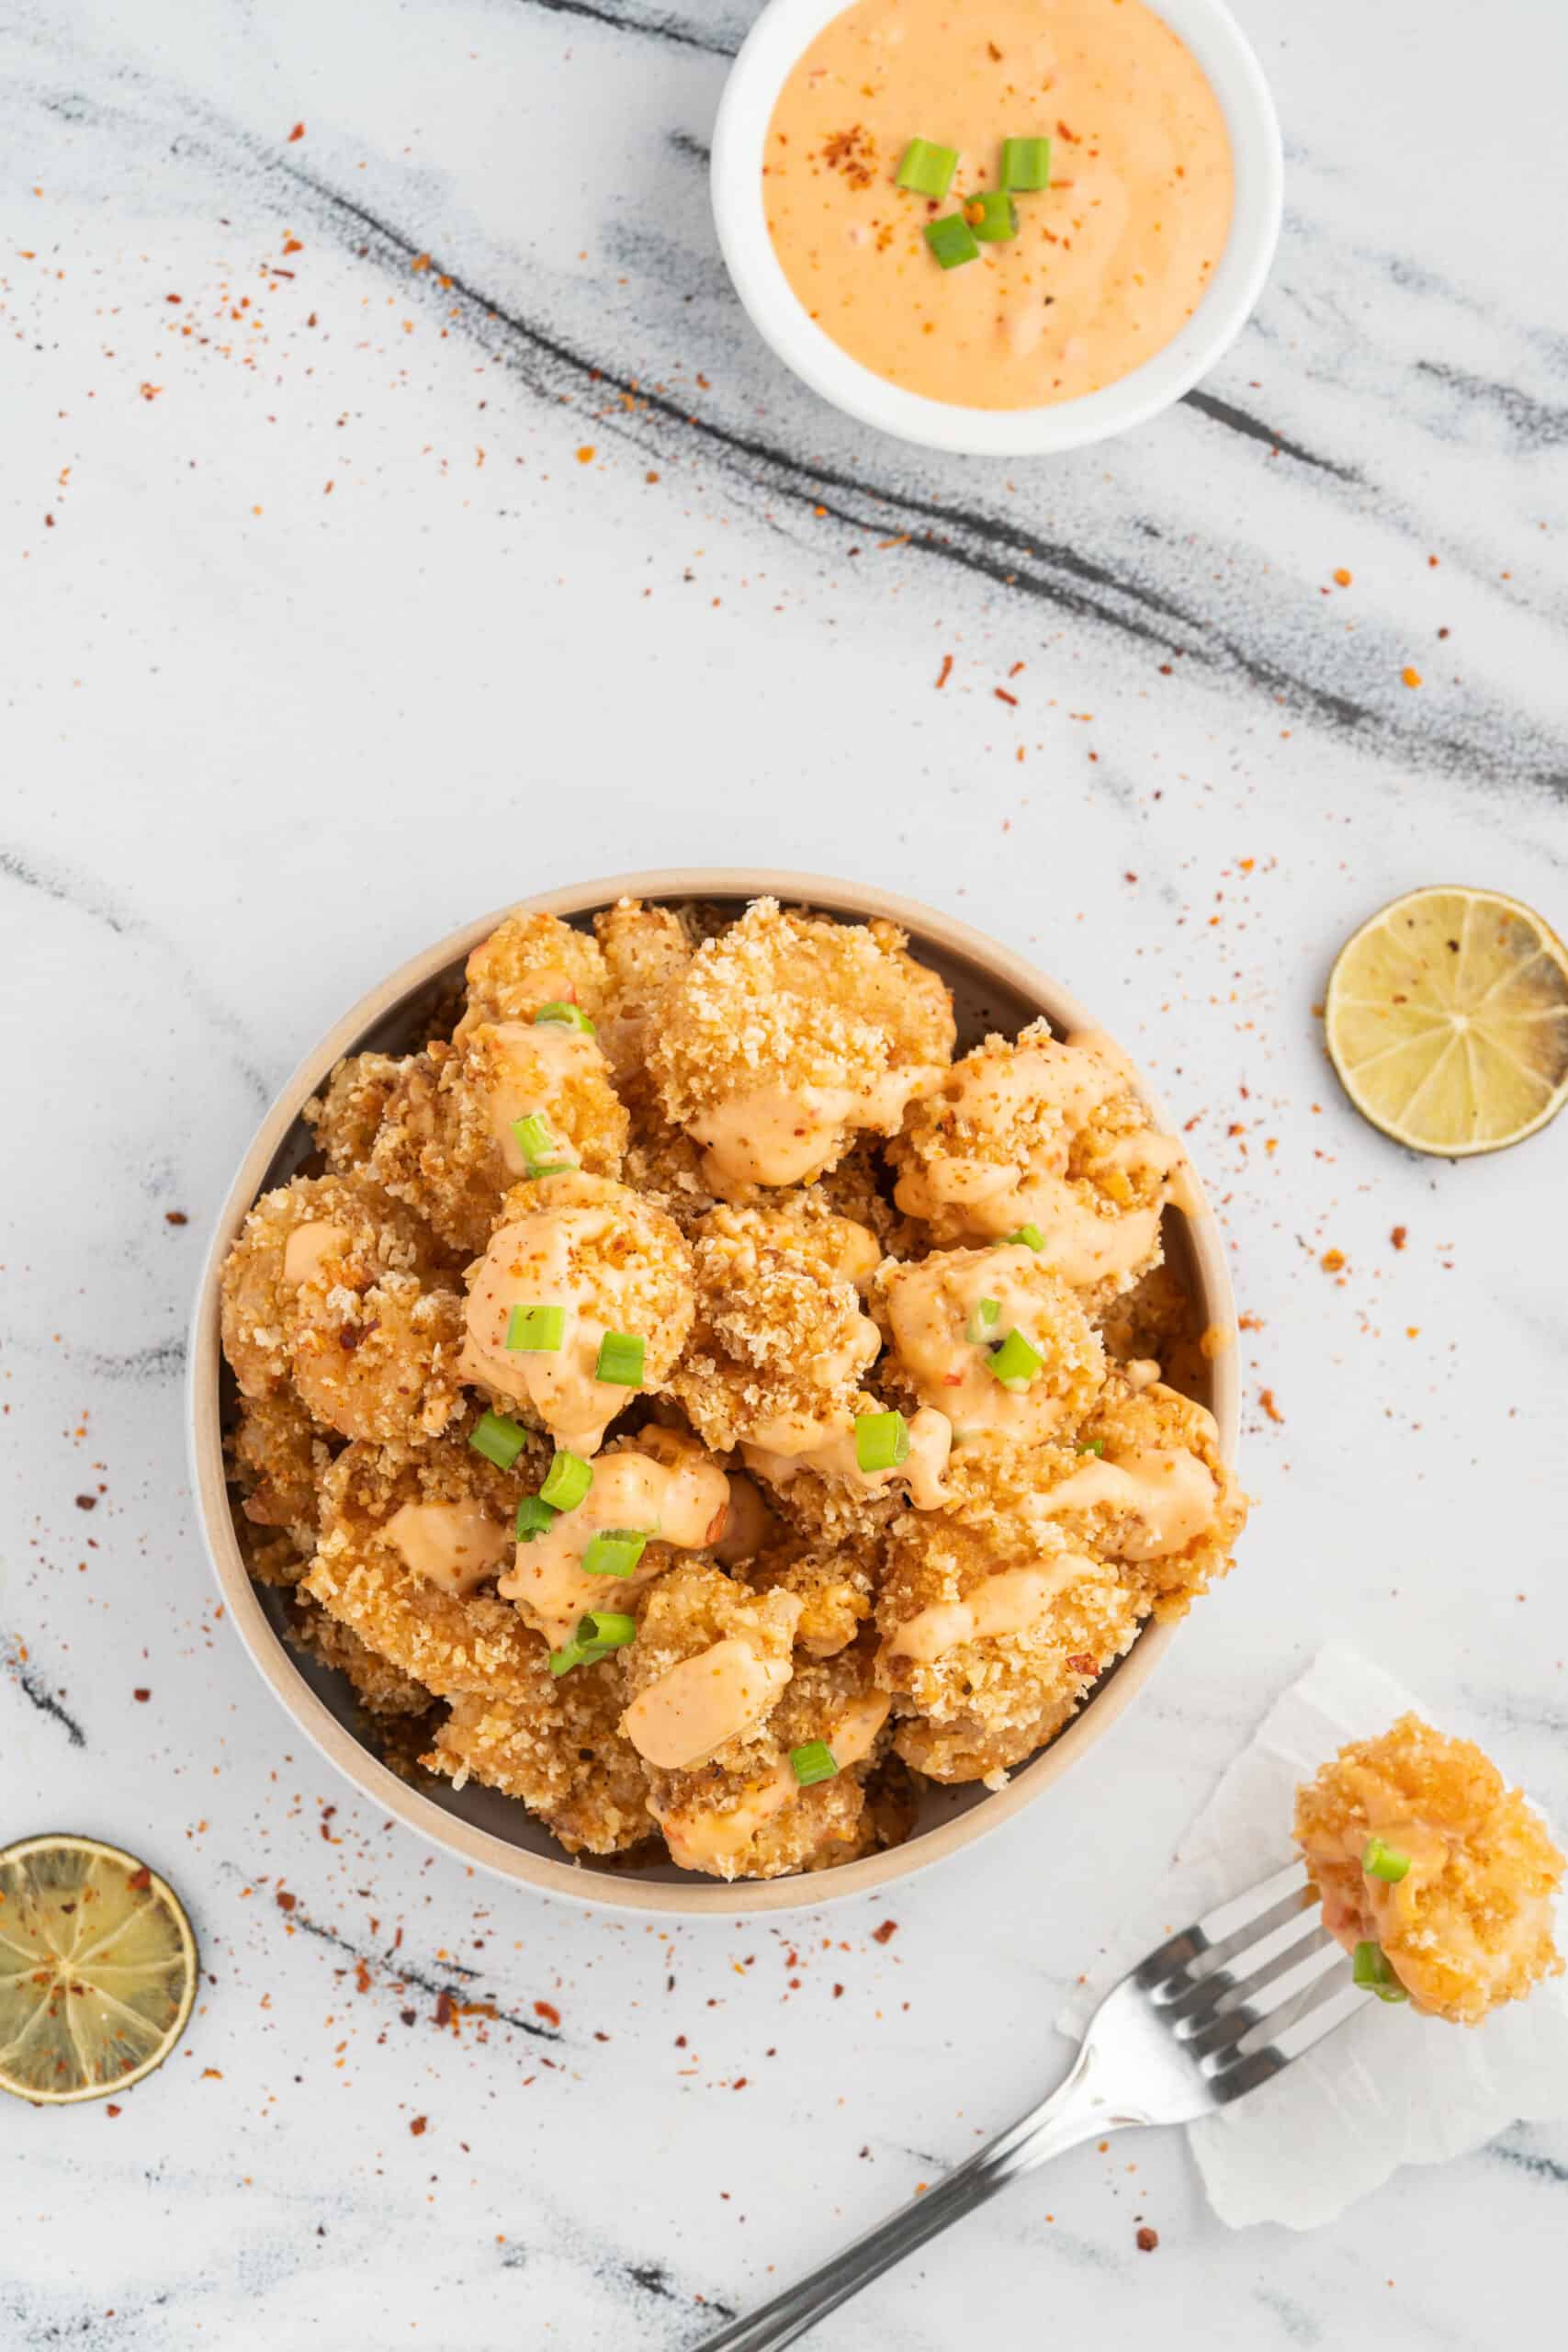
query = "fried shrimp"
x=1153 y=1491
x=279 y=1458
x=993 y=1339
x=555 y=1745
x=788 y=1034
x=465 y=1123
x=335 y=1287
x=1037 y=1133
x=1437 y=1876
x=530 y=960
x=576 y=1263
x=345 y=1115
x=644 y=949
x=781 y=1339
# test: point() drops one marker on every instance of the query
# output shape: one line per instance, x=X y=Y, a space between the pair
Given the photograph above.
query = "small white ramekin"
x=784 y=30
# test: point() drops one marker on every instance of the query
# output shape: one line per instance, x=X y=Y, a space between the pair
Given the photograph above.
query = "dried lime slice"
x=97 y=1969
x=1447 y=1020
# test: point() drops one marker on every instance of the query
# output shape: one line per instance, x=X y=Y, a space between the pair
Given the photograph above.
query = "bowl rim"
x=565 y=1879
x=775 y=43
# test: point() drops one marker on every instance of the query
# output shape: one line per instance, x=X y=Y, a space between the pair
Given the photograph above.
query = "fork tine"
x=1293 y=1971
x=1225 y=1930
x=1209 y=1980
x=1309 y=2019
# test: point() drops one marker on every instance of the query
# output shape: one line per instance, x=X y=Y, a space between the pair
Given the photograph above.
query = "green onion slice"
x=1026 y=165
x=559 y=1014
x=499 y=1440
x=1016 y=1362
x=928 y=169
x=567 y=1480
x=616 y=1552
x=535 y=1330
x=993 y=216
x=1371 y=1969
x=1028 y=1237
x=620 y=1360
x=952 y=240
x=534 y=1517
x=532 y=1135
x=982 y=1317
x=812 y=1762
x=1095 y=1445
x=1383 y=1861
x=882 y=1440
x=607 y=1629
x=576 y=1653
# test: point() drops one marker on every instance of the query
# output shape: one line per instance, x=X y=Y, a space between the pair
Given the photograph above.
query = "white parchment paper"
x=1390 y=2087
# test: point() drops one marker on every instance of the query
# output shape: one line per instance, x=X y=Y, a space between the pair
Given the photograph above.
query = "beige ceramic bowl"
x=992 y=989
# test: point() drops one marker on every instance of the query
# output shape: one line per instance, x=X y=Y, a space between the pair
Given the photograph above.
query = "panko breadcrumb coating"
x=1468 y=1924
x=762 y=1306
x=345 y=1115
x=781 y=1339
x=993 y=1627
x=529 y=960
x=453 y=1641
x=446 y=1143
x=334 y=1286
x=555 y=1746
x=787 y=1035
x=1037 y=1132
x=611 y=1262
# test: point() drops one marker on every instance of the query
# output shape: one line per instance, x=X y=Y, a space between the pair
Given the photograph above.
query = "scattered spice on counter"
x=1399 y=1235
x=945 y=672
x=419 y=2126
x=885 y=1933
x=548 y=2011
x=1147 y=2240
x=1266 y=1398
x=1411 y=677
x=585 y=454
x=298 y=132
x=1332 y=1261
x=142 y=1696
x=285 y=1901
x=175 y=1217
x=1342 y=578
x=86 y=1502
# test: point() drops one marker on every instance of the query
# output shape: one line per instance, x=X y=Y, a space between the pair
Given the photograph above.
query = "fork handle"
x=1068 y=2117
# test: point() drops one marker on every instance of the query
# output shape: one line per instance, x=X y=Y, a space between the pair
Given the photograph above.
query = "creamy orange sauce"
x=1010 y=1601
x=702 y=1703
x=529 y=1065
x=923 y=1472
x=308 y=1247
x=681 y=1501
x=715 y=1842
x=1109 y=263
x=929 y=1308
x=535 y=1262
x=779 y=1135
x=456 y=1545
x=1167 y=1493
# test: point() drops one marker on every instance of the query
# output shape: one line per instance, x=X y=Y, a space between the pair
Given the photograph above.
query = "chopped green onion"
x=620 y=1360
x=499 y=1440
x=533 y=1134
x=535 y=1330
x=567 y=1480
x=534 y=1517
x=812 y=1762
x=1028 y=1237
x=993 y=216
x=952 y=239
x=982 y=1316
x=576 y=1653
x=1095 y=1445
x=1016 y=1362
x=607 y=1629
x=882 y=1440
x=1370 y=1969
x=559 y=1014
x=1383 y=1861
x=616 y=1552
x=1026 y=165
x=928 y=169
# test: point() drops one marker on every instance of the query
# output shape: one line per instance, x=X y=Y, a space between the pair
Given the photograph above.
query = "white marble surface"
x=320 y=637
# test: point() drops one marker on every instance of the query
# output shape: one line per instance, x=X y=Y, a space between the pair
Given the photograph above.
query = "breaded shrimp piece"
x=836 y=1588
x=1038 y=1133
x=1153 y=1491
x=279 y=1458
x=860 y=1188
x=787 y=1035
x=345 y=1115
x=992 y=1626
x=718 y=1702
x=529 y=960
x=447 y=1142
x=589 y=1252
x=412 y=1541
x=332 y=1284
x=946 y=1318
x=781 y=1339
x=644 y=949
x=555 y=1746
x=659 y=1486
x=1420 y=1849
x=382 y=1689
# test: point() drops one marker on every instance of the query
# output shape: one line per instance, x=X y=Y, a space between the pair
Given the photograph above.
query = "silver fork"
x=1185 y=2033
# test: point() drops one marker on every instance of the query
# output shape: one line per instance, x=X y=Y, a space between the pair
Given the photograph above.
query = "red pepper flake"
x=739 y=2083
x=285 y=1901
x=838 y=1992
x=945 y=672
x=1399 y=1235
x=1081 y=1663
x=1332 y=1261
x=111 y=2109
x=420 y=261
x=292 y=245
x=1002 y=695
x=419 y=2126
x=142 y=1696
x=651 y=477
x=444 y=2008
x=585 y=454
x=548 y=2011
x=1410 y=677
x=175 y=1217
x=1266 y=1398
x=298 y=132
x=1147 y=2240
x=212 y=2074
x=361 y=1977
x=140 y=1880
x=1342 y=578
x=885 y=1933
x=86 y=1502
